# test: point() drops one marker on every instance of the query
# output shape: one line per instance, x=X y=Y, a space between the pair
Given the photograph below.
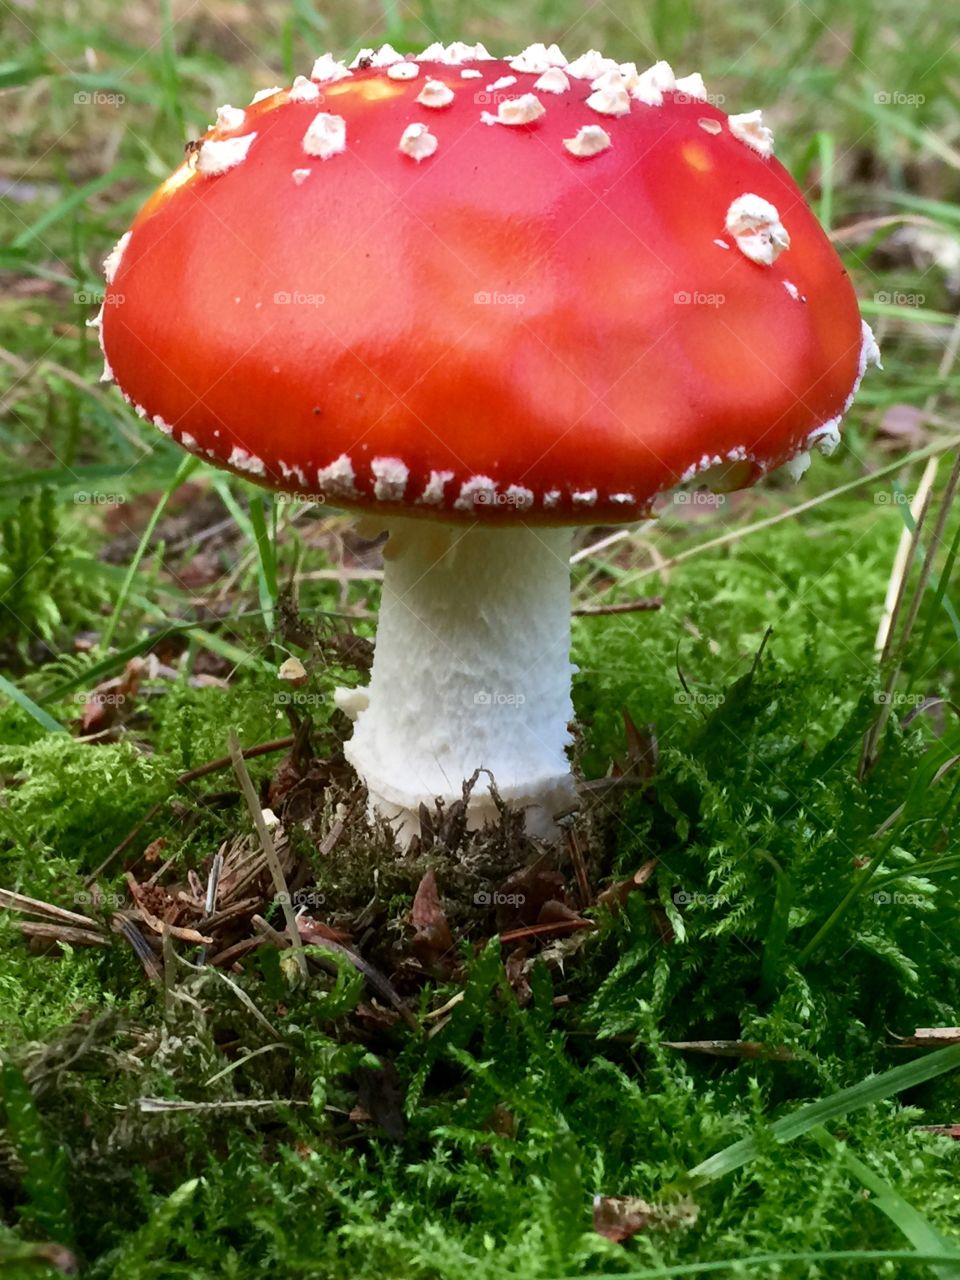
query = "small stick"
x=265 y=748
x=270 y=852
x=643 y=604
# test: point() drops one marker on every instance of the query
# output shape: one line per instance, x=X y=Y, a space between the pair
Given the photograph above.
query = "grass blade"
x=808 y=1117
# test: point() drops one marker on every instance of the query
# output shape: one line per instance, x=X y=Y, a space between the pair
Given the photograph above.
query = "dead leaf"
x=618 y=1218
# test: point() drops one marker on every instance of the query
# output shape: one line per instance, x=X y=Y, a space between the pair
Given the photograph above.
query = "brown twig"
x=643 y=604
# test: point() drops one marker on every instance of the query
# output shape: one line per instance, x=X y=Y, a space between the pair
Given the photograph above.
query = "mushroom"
x=483 y=316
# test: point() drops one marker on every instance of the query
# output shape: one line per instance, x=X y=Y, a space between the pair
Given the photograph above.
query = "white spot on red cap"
x=435 y=94
x=417 y=142
x=538 y=58
x=623 y=499
x=755 y=225
x=218 y=155
x=159 y=423
x=589 y=140
x=692 y=86
x=611 y=98
x=653 y=83
x=390 y=479
x=503 y=83
x=229 y=118
x=793 y=291
x=403 y=71
x=709 y=125
x=326 y=136
x=454 y=54
x=522 y=110
x=471 y=73
x=749 y=128
x=265 y=93
x=385 y=56
x=327 y=68
x=553 y=80
x=584 y=497
x=300 y=176
x=303 y=90
x=722 y=244
x=552 y=498
x=590 y=65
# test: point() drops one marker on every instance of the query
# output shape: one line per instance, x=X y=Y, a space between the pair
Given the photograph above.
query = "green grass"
x=796 y=904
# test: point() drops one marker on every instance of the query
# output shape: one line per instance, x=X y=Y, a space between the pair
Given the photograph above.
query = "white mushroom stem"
x=471 y=671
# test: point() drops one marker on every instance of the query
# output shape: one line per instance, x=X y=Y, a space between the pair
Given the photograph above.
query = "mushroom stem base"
x=471 y=671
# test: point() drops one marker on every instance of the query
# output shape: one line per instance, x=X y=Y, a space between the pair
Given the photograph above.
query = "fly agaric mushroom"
x=483 y=301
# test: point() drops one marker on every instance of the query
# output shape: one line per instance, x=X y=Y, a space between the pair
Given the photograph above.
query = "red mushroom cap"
x=472 y=288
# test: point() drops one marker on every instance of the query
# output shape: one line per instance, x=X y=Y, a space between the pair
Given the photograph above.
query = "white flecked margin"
x=246 y=461
x=111 y=263
x=433 y=495
x=390 y=479
x=479 y=490
x=338 y=478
